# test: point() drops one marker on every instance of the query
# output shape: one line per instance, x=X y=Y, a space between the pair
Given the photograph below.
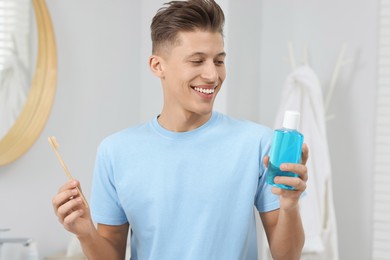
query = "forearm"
x=289 y=237
x=97 y=247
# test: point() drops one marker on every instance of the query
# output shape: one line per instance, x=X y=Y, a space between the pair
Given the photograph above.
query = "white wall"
x=98 y=93
x=261 y=66
x=324 y=26
x=105 y=85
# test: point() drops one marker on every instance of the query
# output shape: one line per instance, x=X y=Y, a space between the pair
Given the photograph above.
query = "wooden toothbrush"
x=53 y=142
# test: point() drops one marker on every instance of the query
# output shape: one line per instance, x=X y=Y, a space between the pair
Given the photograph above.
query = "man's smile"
x=204 y=90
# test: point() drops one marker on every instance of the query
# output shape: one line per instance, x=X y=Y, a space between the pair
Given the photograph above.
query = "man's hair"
x=184 y=16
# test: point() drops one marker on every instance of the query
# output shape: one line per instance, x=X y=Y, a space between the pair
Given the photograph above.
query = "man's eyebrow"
x=221 y=54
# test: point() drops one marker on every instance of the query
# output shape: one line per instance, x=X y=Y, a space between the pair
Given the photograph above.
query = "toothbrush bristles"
x=53 y=141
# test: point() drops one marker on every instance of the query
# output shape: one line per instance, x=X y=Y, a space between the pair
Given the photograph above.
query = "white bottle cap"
x=291 y=119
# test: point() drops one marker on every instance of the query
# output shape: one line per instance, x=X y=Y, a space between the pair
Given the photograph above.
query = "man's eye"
x=219 y=62
x=196 y=61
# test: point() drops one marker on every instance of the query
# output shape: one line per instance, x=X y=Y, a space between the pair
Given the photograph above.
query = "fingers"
x=305 y=154
x=299 y=169
x=68 y=207
x=66 y=192
x=67 y=200
x=70 y=219
x=70 y=211
x=69 y=185
x=290 y=197
x=296 y=183
x=266 y=160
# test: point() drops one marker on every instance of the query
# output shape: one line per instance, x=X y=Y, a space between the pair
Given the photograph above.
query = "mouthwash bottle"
x=286 y=147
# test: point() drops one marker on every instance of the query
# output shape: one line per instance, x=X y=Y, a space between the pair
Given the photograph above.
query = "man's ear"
x=156 y=66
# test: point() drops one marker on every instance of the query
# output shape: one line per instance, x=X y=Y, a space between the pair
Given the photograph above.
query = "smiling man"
x=192 y=74
x=186 y=182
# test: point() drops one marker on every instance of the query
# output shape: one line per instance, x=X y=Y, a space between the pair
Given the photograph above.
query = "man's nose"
x=210 y=72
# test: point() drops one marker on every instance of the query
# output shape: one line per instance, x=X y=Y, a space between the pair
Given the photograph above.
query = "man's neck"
x=182 y=122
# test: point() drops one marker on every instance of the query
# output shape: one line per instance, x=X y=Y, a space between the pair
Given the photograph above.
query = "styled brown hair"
x=185 y=16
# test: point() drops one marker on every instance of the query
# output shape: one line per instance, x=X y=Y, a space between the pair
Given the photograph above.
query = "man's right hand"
x=72 y=213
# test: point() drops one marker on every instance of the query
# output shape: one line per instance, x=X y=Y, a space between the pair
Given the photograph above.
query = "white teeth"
x=205 y=90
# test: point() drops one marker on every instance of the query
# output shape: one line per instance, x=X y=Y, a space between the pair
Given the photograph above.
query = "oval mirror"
x=34 y=112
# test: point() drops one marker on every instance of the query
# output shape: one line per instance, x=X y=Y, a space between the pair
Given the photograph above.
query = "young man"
x=186 y=182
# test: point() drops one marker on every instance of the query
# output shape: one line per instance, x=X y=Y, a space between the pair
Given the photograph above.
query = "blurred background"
x=104 y=85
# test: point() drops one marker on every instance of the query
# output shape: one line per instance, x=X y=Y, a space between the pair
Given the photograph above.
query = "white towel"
x=302 y=92
x=14 y=87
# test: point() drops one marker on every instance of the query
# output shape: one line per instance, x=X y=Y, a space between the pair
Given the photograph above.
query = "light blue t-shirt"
x=187 y=195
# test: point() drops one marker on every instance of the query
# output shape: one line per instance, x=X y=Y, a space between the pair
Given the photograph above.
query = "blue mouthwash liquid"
x=286 y=148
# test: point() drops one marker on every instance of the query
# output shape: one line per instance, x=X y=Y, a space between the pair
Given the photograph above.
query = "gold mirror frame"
x=33 y=117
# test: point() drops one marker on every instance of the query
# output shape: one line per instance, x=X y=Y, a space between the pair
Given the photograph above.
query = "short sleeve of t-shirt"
x=265 y=200
x=105 y=205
